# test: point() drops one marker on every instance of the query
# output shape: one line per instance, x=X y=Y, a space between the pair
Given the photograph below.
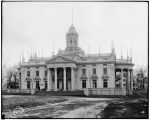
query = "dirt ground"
x=53 y=106
x=71 y=107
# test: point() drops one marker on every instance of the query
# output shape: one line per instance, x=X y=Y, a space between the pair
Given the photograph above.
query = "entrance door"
x=60 y=84
x=68 y=84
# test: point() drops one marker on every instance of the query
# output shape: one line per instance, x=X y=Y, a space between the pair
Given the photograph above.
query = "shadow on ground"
x=132 y=110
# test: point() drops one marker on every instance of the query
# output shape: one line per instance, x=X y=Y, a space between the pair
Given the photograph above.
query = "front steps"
x=61 y=93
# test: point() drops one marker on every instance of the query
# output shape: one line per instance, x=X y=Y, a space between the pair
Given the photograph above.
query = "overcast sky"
x=29 y=25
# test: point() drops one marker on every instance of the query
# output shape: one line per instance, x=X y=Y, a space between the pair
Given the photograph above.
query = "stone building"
x=71 y=69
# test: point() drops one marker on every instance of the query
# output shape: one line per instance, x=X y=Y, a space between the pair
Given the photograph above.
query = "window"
x=37 y=67
x=94 y=71
x=37 y=85
x=94 y=83
x=45 y=85
x=105 y=70
x=83 y=71
x=28 y=84
x=37 y=73
x=105 y=85
x=45 y=73
x=124 y=84
x=28 y=73
x=83 y=83
x=28 y=67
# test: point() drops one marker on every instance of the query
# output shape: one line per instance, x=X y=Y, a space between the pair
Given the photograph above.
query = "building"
x=135 y=83
x=71 y=69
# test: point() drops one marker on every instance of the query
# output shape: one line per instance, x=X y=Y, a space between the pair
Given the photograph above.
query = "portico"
x=61 y=76
x=126 y=77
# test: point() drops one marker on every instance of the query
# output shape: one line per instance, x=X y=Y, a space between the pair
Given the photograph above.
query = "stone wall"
x=105 y=91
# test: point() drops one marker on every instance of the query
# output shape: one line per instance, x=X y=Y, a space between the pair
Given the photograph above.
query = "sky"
x=37 y=25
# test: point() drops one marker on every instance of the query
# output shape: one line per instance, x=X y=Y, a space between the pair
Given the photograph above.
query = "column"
x=131 y=79
x=72 y=78
x=128 y=79
x=41 y=74
x=64 y=78
x=55 y=79
x=48 y=80
x=122 y=78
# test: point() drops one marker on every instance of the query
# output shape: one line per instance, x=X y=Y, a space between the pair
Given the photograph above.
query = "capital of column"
x=72 y=68
x=64 y=67
x=55 y=68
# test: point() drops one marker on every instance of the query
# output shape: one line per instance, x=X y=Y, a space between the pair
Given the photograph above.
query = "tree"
x=141 y=75
x=12 y=77
x=3 y=69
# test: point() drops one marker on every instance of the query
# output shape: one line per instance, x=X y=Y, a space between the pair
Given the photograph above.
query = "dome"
x=72 y=30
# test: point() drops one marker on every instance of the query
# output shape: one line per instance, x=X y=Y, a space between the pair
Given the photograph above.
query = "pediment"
x=60 y=59
x=83 y=77
x=94 y=77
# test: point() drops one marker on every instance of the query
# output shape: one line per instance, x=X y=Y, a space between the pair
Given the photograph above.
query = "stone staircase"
x=61 y=93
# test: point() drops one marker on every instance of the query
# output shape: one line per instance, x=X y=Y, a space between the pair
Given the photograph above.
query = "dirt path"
x=85 y=112
x=73 y=107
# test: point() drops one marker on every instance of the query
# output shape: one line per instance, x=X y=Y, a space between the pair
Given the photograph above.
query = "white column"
x=128 y=79
x=72 y=78
x=48 y=80
x=64 y=79
x=122 y=78
x=131 y=79
x=41 y=72
x=55 y=79
x=32 y=77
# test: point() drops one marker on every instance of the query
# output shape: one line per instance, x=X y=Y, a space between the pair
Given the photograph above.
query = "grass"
x=10 y=103
x=23 y=105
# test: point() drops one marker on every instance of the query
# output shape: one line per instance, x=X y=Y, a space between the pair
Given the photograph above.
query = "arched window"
x=70 y=43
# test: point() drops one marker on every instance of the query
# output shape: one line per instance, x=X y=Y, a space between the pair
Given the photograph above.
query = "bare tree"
x=141 y=71
x=12 y=72
x=141 y=75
